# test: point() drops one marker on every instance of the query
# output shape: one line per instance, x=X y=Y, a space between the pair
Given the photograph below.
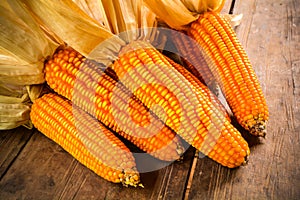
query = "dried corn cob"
x=198 y=84
x=194 y=61
x=188 y=109
x=84 y=82
x=85 y=139
x=231 y=67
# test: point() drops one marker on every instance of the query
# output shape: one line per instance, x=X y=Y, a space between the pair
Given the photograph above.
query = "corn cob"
x=198 y=84
x=95 y=91
x=231 y=67
x=85 y=139
x=193 y=59
x=188 y=109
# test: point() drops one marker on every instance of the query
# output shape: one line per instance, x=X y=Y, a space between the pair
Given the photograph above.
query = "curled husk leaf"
x=179 y=13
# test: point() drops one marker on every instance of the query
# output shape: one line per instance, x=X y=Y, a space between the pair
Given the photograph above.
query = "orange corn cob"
x=84 y=82
x=188 y=108
x=193 y=59
x=85 y=139
x=231 y=67
x=198 y=84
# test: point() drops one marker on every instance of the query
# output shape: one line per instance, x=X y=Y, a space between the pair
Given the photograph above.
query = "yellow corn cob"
x=85 y=139
x=231 y=67
x=188 y=108
x=198 y=84
x=84 y=82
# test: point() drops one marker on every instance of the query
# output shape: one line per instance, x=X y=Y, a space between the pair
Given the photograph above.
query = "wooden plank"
x=275 y=28
x=11 y=143
x=270 y=34
x=39 y=171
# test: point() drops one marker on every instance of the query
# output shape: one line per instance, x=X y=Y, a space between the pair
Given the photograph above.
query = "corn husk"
x=179 y=13
x=15 y=103
x=97 y=35
x=119 y=17
x=95 y=9
x=70 y=23
x=123 y=16
x=129 y=20
x=23 y=49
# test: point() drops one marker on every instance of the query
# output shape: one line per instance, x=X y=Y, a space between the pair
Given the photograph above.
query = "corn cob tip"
x=180 y=149
x=246 y=159
x=259 y=129
x=130 y=179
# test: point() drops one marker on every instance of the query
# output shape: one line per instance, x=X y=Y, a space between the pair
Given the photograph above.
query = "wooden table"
x=33 y=167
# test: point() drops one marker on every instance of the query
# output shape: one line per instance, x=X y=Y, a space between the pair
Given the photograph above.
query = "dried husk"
x=69 y=23
x=95 y=9
x=132 y=20
x=123 y=16
x=23 y=49
x=179 y=13
x=15 y=103
x=128 y=20
x=13 y=115
x=97 y=35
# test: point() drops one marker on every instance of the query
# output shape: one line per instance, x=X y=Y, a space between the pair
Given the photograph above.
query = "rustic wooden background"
x=33 y=167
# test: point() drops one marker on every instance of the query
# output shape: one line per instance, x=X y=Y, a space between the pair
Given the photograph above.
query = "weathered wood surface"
x=11 y=144
x=270 y=32
x=34 y=167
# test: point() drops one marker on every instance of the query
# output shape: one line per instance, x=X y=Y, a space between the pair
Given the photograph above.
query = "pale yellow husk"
x=97 y=29
x=119 y=16
x=66 y=20
x=129 y=20
x=179 y=13
x=23 y=49
x=15 y=103
x=69 y=23
x=95 y=9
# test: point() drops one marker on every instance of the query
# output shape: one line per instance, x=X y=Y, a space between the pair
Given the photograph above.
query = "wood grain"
x=11 y=144
x=270 y=34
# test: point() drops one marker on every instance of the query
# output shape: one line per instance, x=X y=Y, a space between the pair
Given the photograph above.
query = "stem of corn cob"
x=95 y=91
x=231 y=67
x=85 y=139
x=188 y=107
